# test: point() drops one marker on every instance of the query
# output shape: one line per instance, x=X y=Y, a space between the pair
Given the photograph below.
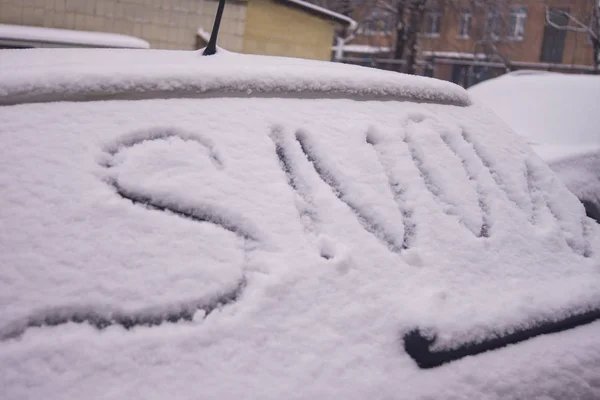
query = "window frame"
x=465 y=19
x=433 y=19
x=517 y=17
x=493 y=25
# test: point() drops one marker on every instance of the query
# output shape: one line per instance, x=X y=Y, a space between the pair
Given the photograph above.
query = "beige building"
x=275 y=27
x=290 y=28
x=164 y=24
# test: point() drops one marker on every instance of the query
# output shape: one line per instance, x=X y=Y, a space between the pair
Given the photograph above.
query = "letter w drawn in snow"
x=395 y=238
x=419 y=342
x=369 y=222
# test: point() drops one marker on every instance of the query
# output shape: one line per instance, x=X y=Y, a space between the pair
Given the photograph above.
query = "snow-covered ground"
x=279 y=245
x=558 y=115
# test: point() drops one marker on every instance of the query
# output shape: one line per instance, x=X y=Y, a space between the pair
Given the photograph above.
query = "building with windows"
x=468 y=45
x=291 y=28
x=469 y=41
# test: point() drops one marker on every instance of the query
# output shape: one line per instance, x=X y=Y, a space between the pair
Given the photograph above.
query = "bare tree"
x=359 y=10
x=400 y=41
x=415 y=14
x=408 y=18
x=575 y=25
x=347 y=33
x=492 y=18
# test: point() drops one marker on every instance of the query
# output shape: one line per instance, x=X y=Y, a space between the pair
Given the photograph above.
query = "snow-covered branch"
x=387 y=6
x=580 y=26
x=340 y=42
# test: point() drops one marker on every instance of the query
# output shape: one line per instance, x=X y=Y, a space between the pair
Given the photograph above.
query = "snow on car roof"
x=278 y=247
x=37 y=34
x=557 y=113
x=81 y=74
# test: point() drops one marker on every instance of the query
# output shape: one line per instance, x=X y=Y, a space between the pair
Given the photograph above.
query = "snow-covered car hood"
x=269 y=247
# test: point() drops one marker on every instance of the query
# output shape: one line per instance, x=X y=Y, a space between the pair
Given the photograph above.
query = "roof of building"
x=37 y=36
x=323 y=12
x=39 y=75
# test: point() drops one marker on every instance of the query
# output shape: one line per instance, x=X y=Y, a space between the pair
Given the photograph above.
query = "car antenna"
x=211 y=47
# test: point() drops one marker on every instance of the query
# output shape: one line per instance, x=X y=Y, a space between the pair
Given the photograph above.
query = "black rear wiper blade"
x=417 y=344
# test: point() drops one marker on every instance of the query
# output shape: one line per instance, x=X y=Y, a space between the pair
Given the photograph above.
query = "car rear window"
x=151 y=211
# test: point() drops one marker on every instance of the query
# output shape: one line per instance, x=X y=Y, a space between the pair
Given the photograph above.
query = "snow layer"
x=558 y=115
x=69 y=36
x=361 y=48
x=344 y=224
x=454 y=54
x=581 y=173
x=81 y=74
x=204 y=35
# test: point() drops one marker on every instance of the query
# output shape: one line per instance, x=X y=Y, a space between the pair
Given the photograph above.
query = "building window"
x=464 y=24
x=516 y=23
x=493 y=25
x=432 y=23
x=553 y=43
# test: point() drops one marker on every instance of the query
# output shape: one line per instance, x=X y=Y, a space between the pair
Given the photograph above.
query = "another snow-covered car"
x=239 y=227
x=558 y=115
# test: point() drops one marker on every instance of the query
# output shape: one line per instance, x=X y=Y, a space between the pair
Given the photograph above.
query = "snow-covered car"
x=240 y=227
x=558 y=115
